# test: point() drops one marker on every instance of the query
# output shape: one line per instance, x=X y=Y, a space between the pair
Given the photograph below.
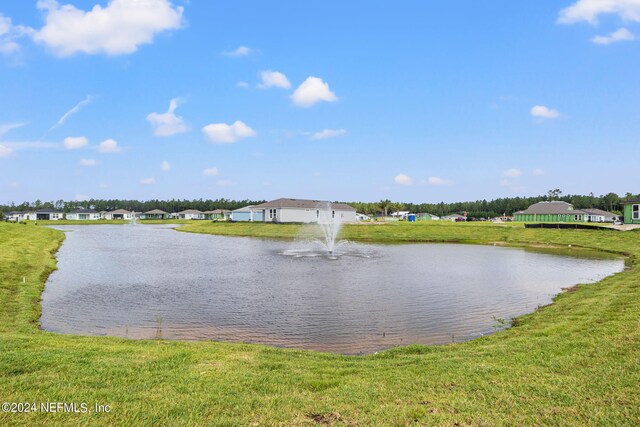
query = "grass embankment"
x=575 y=362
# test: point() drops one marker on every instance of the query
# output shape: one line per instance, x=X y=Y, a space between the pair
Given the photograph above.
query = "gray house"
x=305 y=211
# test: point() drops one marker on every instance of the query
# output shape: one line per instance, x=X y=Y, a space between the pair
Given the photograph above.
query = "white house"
x=191 y=214
x=45 y=214
x=301 y=210
x=362 y=217
x=400 y=214
x=598 y=215
x=16 y=216
x=83 y=214
x=454 y=218
x=121 y=214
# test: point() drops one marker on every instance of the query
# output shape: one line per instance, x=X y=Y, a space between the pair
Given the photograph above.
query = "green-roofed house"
x=552 y=211
x=632 y=211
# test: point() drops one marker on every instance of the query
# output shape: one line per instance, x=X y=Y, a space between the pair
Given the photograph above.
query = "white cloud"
x=543 y=112
x=167 y=124
x=75 y=142
x=9 y=33
x=538 y=172
x=240 y=51
x=5 y=151
x=211 y=172
x=617 y=36
x=589 y=10
x=119 y=28
x=88 y=162
x=72 y=111
x=402 y=179
x=148 y=181
x=109 y=146
x=82 y=197
x=435 y=180
x=512 y=173
x=270 y=78
x=10 y=126
x=165 y=166
x=312 y=91
x=242 y=85
x=222 y=133
x=328 y=133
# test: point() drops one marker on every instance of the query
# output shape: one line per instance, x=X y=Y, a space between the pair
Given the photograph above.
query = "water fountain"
x=327 y=231
x=134 y=220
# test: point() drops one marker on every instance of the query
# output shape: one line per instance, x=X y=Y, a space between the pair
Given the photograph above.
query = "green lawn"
x=576 y=362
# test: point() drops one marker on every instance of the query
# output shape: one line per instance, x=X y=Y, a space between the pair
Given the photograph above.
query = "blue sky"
x=415 y=101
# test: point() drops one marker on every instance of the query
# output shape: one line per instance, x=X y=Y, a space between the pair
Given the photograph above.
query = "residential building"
x=191 y=214
x=217 y=214
x=155 y=214
x=551 y=211
x=632 y=211
x=598 y=215
x=45 y=214
x=121 y=214
x=83 y=214
x=296 y=210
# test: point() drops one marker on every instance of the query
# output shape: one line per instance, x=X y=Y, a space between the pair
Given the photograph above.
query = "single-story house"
x=122 y=214
x=632 y=211
x=454 y=218
x=305 y=211
x=16 y=216
x=423 y=216
x=45 y=214
x=362 y=217
x=598 y=215
x=551 y=211
x=217 y=214
x=191 y=214
x=83 y=214
x=400 y=214
x=154 y=214
x=247 y=214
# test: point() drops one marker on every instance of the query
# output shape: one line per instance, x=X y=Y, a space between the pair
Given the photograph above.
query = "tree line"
x=474 y=209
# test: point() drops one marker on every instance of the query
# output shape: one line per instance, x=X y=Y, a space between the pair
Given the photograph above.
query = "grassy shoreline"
x=571 y=363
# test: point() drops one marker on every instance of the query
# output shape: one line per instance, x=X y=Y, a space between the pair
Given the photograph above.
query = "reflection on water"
x=150 y=281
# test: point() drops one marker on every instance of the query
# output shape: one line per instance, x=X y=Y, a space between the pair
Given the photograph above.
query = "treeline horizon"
x=474 y=209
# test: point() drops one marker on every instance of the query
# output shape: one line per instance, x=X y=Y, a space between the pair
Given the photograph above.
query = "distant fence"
x=568 y=226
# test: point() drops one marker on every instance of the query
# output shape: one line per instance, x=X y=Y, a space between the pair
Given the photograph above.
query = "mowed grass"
x=576 y=362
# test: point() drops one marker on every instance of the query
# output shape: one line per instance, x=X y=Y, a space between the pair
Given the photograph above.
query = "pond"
x=150 y=281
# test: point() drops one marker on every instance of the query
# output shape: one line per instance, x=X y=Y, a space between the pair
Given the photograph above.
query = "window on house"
x=636 y=211
x=576 y=217
x=333 y=214
x=317 y=214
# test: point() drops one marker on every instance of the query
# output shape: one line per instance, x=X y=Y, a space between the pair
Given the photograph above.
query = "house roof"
x=304 y=204
x=120 y=211
x=598 y=212
x=190 y=211
x=47 y=210
x=244 y=209
x=636 y=200
x=455 y=216
x=156 y=212
x=554 y=207
x=84 y=211
x=217 y=211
